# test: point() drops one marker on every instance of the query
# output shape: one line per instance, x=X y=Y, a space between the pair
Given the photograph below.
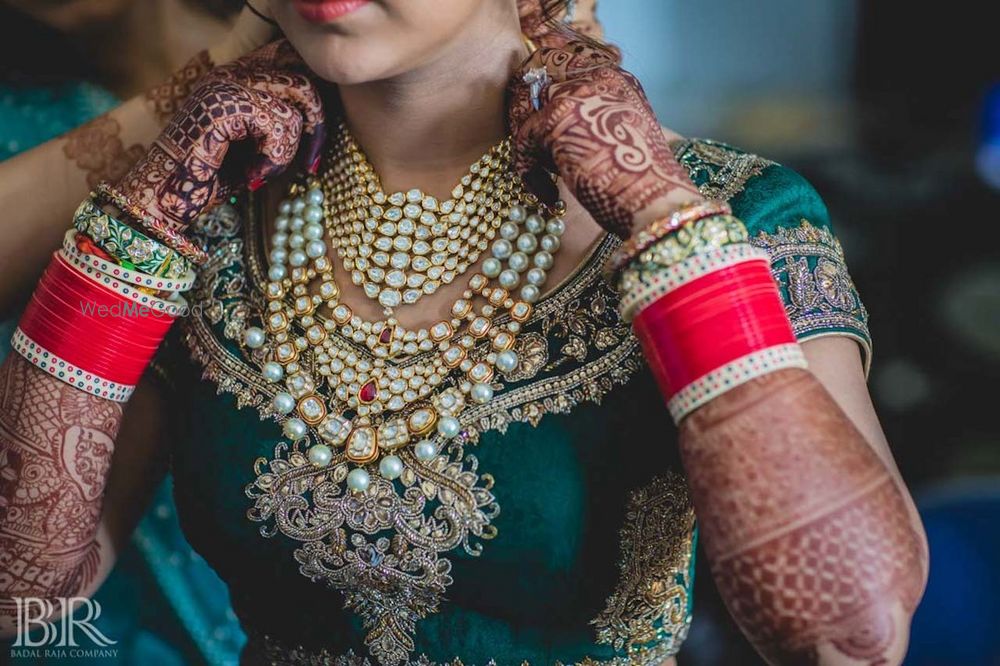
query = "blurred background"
x=892 y=110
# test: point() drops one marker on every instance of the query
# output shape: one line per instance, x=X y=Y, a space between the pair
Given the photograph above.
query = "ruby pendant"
x=368 y=393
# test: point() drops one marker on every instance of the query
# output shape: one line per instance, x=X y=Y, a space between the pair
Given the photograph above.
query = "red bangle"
x=89 y=335
x=715 y=332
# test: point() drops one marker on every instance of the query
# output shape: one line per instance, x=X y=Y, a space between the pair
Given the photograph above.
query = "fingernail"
x=314 y=167
x=256 y=184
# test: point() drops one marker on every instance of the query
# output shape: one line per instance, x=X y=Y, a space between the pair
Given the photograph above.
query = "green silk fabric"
x=581 y=467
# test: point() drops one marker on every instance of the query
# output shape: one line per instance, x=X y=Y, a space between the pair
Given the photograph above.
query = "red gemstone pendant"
x=368 y=393
x=385 y=337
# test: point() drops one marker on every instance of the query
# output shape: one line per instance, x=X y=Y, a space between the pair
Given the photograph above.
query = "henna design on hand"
x=55 y=451
x=596 y=129
x=97 y=149
x=167 y=98
x=809 y=538
x=265 y=99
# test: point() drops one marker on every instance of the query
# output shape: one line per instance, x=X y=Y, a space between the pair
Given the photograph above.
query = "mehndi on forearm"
x=808 y=534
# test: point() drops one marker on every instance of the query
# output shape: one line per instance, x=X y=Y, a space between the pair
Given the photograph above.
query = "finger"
x=276 y=130
x=294 y=89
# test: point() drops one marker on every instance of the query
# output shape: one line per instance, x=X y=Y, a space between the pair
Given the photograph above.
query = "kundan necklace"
x=356 y=390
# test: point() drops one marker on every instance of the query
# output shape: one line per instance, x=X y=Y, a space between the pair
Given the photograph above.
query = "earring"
x=570 y=11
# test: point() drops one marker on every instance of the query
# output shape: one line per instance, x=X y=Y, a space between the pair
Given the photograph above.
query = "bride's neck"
x=424 y=128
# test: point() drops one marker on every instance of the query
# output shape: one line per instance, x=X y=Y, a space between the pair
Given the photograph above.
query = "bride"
x=415 y=414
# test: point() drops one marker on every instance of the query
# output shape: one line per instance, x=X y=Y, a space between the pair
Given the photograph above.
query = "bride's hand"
x=263 y=104
x=592 y=124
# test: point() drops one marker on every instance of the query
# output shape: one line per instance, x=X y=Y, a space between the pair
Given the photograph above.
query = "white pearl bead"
x=518 y=261
x=530 y=293
x=358 y=480
x=279 y=255
x=281 y=223
x=296 y=241
x=254 y=337
x=535 y=224
x=550 y=243
x=313 y=232
x=312 y=214
x=279 y=239
x=506 y=361
x=481 y=393
x=509 y=230
x=276 y=273
x=285 y=207
x=273 y=372
x=527 y=242
x=297 y=223
x=556 y=226
x=518 y=213
x=536 y=276
x=509 y=279
x=298 y=258
x=283 y=403
x=390 y=467
x=320 y=455
x=425 y=450
x=295 y=429
x=298 y=203
x=448 y=426
x=316 y=249
x=492 y=267
x=314 y=196
x=502 y=248
x=544 y=260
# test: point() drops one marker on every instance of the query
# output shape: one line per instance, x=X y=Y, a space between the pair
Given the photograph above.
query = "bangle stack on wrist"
x=103 y=305
x=704 y=306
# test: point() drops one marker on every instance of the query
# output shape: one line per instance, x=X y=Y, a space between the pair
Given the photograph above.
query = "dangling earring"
x=570 y=11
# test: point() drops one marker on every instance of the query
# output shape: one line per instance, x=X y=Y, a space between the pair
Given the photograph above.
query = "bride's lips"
x=326 y=11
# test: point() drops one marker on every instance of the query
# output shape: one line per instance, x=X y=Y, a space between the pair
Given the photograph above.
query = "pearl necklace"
x=401 y=247
x=374 y=407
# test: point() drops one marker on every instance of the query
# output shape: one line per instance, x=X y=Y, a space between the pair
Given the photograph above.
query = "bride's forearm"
x=56 y=443
x=807 y=532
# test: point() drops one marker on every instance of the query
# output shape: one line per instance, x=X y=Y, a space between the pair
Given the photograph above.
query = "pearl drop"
x=316 y=249
x=527 y=242
x=509 y=230
x=518 y=261
x=550 y=243
x=481 y=393
x=492 y=267
x=273 y=372
x=254 y=337
x=509 y=279
x=536 y=276
x=314 y=196
x=544 y=260
x=448 y=426
x=530 y=293
x=502 y=248
x=312 y=214
x=518 y=213
x=279 y=255
x=535 y=224
x=298 y=258
x=358 y=480
x=283 y=403
x=313 y=232
x=507 y=361
x=425 y=450
x=556 y=226
x=320 y=455
x=276 y=273
x=390 y=467
x=295 y=429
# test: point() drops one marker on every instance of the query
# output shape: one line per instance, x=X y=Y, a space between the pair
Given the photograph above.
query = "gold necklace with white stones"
x=365 y=402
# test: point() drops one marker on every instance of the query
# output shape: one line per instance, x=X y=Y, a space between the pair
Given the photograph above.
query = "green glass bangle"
x=130 y=248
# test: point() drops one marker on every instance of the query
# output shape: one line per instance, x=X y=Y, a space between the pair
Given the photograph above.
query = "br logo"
x=73 y=620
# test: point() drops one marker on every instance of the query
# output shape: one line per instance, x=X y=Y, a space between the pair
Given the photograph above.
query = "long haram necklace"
x=374 y=404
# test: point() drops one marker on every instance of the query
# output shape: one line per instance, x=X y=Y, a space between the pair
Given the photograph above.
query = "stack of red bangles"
x=704 y=306
x=103 y=305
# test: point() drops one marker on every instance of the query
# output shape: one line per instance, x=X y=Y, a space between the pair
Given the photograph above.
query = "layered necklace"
x=362 y=390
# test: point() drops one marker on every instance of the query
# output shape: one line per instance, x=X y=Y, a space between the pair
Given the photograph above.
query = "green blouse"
x=590 y=558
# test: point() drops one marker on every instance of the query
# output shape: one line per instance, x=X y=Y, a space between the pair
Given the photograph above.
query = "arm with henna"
x=810 y=533
x=64 y=507
x=42 y=187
